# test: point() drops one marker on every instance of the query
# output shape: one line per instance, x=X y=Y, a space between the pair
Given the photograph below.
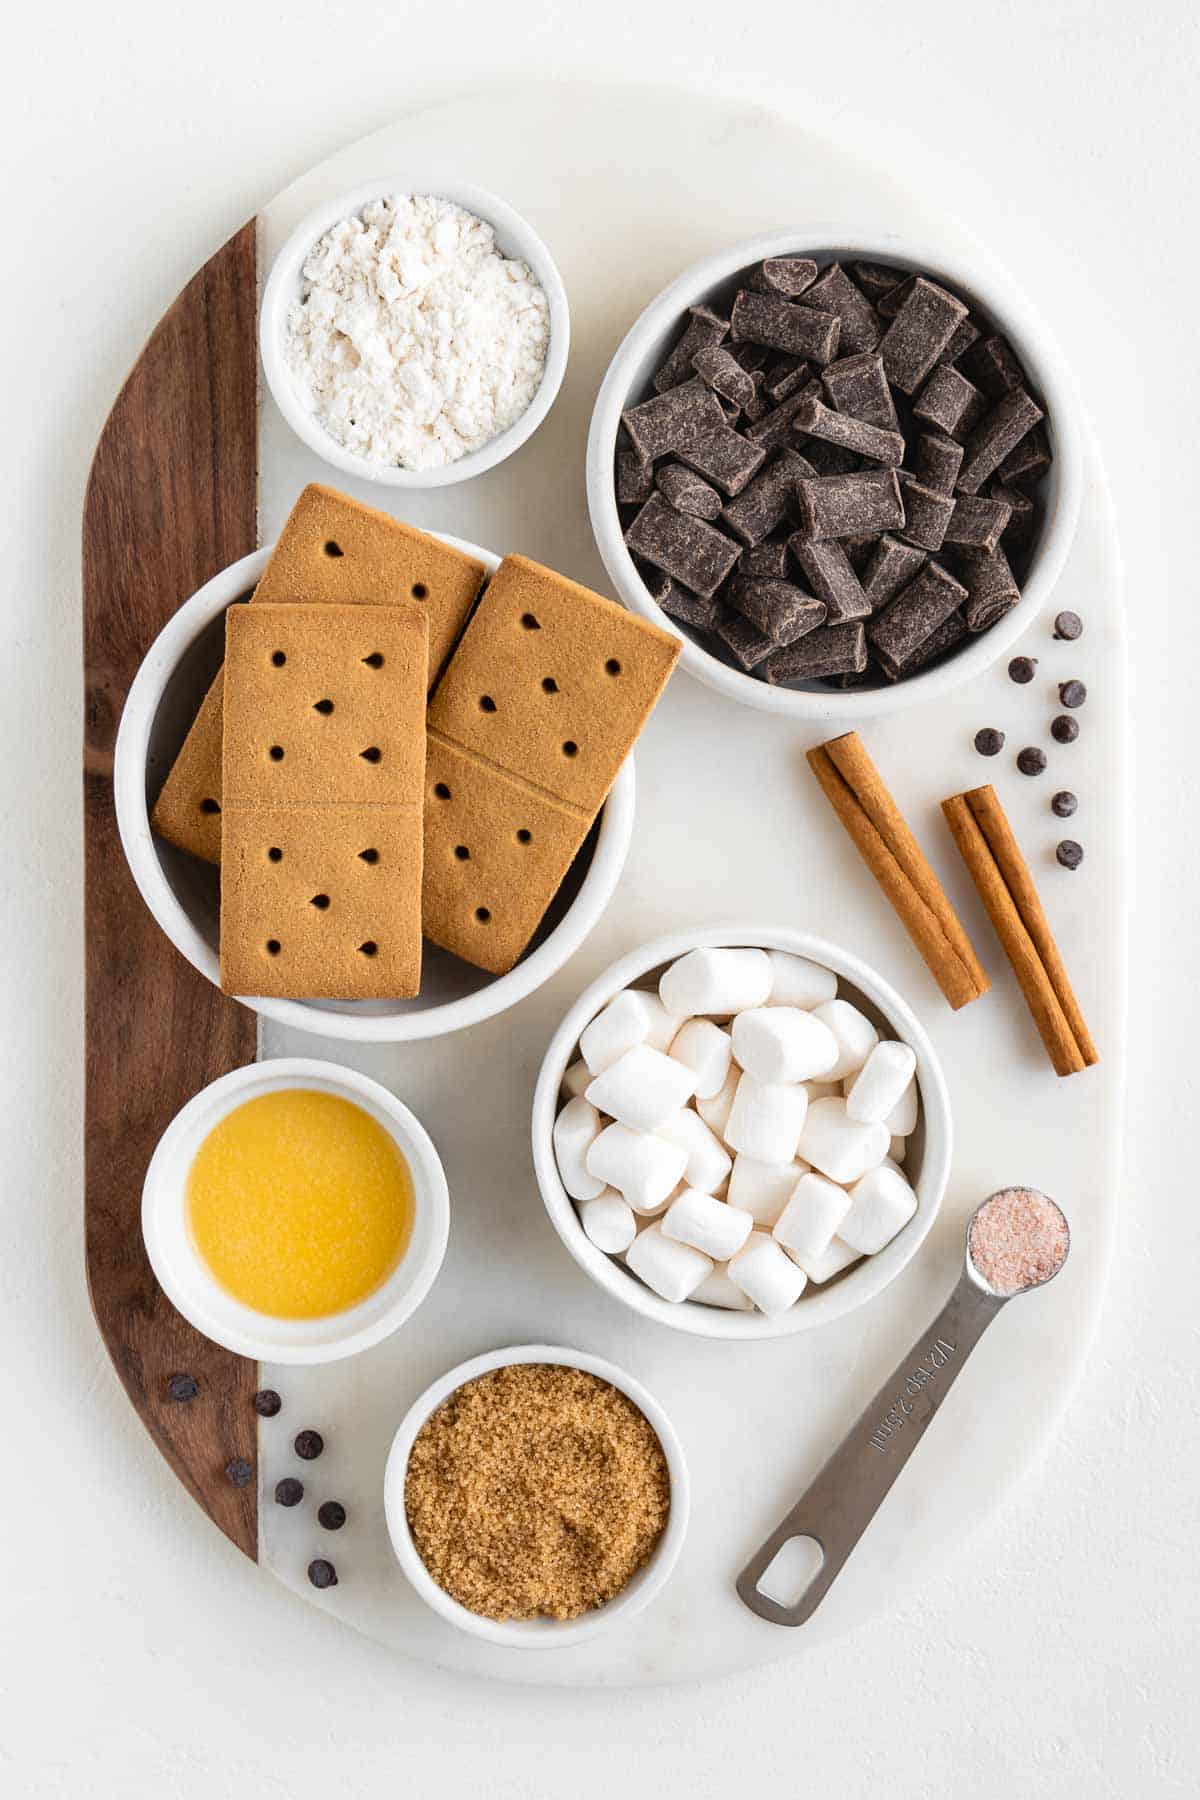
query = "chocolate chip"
x=1022 y=669
x=989 y=741
x=1064 y=729
x=1069 y=853
x=1072 y=693
x=267 y=1403
x=331 y=1514
x=1031 y=761
x=321 y=1573
x=1064 y=804
x=309 y=1445
x=1068 y=626
x=240 y=1472
x=289 y=1491
x=182 y=1387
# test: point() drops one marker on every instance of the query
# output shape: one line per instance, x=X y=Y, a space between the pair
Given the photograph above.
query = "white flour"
x=416 y=340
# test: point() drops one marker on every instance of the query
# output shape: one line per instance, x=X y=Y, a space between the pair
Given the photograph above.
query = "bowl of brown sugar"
x=536 y=1496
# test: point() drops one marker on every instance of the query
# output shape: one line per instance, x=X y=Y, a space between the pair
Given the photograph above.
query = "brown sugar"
x=536 y=1490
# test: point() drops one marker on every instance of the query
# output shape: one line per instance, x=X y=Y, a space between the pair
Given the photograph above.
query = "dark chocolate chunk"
x=289 y=1491
x=820 y=421
x=876 y=280
x=919 y=333
x=841 y=506
x=1071 y=693
x=745 y=643
x=994 y=366
x=763 y=503
x=1030 y=460
x=830 y=459
x=1022 y=669
x=774 y=429
x=1064 y=804
x=239 y=1472
x=779 y=610
x=784 y=275
x=926 y=512
x=989 y=582
x=1069 y=853
x=834 y=292
x=892 y=567
x=989 y=741
x=1031 y=761
x=858 y=386
x=995 y=436
x=966 y=333
x=267 y=1403
x=831 y=577
x=698 y=556
x=322 y=1573
x=1064 y=729
x=657 y=582
x=331 y=1514
x=950 y=632
x=977 y=523
x=764 y=562
x=889 y=304
x=949 y=403
x=936 y=462
x=701 y=613
x=831 y=650
x=897 y=633
x=182 y=1387
x=785 y=377
x=1068 y=626
x=703 y=329
x=686 y=491
x=309 y=1445
x=635 y=478
x=781 y=325
x=719 y=371
x=673 y=419
x=749 y=356
x=724 y=456
x=1019 y=529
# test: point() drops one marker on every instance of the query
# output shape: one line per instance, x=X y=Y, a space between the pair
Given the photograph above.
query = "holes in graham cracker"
x=370 y=948
x=612 y=666
x=419 y=590
x=486 y=703
x=278 y=658
x=276 y=753
x=332 y=549
x=368 y=856
x=570 y=748
x=320 y=901
x=374 y=661
x=371 y=754
x=524 y=837
x=530 y=623
x=325 y=707
x=462 y=853
x=441 y=790
x=210 y=806
x=483 y=914
x=549 y=685
x=275 y=854
x=273 y=946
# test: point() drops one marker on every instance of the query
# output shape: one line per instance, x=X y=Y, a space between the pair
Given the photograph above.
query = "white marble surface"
x=1053 y=1657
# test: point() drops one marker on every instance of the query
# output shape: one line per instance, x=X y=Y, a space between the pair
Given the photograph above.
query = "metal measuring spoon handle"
x=852 y=1486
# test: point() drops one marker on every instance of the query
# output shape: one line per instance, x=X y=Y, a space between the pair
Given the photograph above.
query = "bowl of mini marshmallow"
x=741 y=1131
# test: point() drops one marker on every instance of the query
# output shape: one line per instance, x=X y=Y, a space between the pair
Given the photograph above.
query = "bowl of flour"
x=414 y=337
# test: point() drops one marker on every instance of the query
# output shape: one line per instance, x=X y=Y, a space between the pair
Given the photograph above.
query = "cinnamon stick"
x=856 y=791
x=1005 y=885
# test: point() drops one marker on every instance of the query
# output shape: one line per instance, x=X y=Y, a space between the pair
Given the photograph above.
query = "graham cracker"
x=324 y=757
x=496 y=852
x=332 y=551
x=552 y=683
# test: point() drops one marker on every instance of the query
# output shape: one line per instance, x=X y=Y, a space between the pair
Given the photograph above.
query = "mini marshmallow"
x=837 y=1145
x=763 y=1189
x=855 y=1034
x=831 y=1262
x=766 y=1120
x=807 y=1224
x=795 y=981
x=609 y=1222
x=708 y=1161
x=899 y=1150
x=706 y=1224
x=903 y=1117
x=715 y=1112
x=781 y=1043
x=643 y=1168
x=717 y=982
x=575 y=1131
x=576 y=1079
x=766 y=1276
x=631 y=1018
x=717 y=1290
x=707 y=1052
x=672 y=1269
x=880 y=1205
x=881 y=1082
x=642 y=1089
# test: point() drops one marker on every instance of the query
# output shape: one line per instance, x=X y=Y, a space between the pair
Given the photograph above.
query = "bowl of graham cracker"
x=338 y=852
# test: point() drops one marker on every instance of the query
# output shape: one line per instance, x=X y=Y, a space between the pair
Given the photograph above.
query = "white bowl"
x=538 y=1634
x=184 y=1276
x=927 y=1165
x=514 y=238
x=713 y=280
x=184 y=893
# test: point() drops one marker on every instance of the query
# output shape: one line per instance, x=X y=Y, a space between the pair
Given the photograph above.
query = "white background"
x=139 y=1655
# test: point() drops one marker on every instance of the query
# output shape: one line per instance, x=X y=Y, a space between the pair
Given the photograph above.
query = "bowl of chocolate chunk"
x=845 y=472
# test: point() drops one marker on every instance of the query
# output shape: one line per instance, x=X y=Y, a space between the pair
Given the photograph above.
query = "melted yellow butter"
x=300 y=1203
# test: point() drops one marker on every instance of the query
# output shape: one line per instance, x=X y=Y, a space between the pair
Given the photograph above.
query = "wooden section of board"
x=172 y=499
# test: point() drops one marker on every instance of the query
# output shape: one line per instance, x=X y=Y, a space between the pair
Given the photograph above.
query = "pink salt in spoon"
x=1017 y=1240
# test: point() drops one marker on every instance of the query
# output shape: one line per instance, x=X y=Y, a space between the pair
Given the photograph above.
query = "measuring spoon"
x=848 y=1492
